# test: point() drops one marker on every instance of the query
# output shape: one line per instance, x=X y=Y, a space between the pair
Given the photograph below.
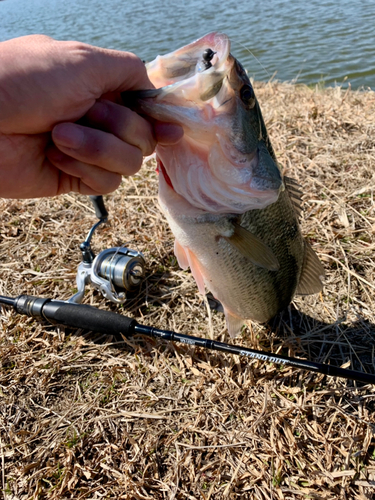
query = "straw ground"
x=89 y=416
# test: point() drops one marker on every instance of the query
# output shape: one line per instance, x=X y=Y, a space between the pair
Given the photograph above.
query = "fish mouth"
x=192 y=74
x=222 y=164
x=205 y=55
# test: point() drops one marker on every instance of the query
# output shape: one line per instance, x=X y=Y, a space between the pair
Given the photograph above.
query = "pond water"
x=311 y=42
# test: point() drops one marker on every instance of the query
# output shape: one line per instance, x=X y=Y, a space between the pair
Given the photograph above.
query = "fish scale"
x=282 y=234
x=258 y=293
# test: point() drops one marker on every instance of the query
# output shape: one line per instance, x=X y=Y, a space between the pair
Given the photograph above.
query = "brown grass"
x=83 y=416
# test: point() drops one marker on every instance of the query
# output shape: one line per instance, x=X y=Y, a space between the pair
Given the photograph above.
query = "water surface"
x=309 y=42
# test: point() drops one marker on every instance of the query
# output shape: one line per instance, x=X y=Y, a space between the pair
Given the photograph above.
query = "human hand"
x=46 y=87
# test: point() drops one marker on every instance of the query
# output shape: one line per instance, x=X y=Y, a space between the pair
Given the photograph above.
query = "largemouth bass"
x=234 y=217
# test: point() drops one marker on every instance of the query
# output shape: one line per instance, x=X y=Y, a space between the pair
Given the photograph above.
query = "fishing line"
x=254 y=56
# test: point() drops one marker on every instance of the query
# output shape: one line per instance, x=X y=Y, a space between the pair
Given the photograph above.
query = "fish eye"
x=247 y=94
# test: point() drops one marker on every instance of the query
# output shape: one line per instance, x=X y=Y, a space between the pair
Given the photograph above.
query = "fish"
x=234 y=215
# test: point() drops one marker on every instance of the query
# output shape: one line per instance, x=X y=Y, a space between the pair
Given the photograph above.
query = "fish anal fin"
x=181 y=255
x=234 y=323
x=312 y=273
x=295 y=193
x=253 y=248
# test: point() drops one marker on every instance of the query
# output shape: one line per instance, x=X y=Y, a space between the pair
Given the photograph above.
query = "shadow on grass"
x=339 y=343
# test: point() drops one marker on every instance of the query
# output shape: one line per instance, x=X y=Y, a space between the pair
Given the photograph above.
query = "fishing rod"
x=91 y=318
x=115 y=271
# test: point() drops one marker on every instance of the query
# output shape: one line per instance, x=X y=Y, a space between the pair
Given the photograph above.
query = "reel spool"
x=112 y=271
x=122 y=267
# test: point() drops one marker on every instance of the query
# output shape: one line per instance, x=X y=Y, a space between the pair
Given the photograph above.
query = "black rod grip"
x=100 y=210
x=88 y=318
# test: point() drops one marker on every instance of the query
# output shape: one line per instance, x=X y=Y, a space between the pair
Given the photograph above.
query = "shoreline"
x=313 y=86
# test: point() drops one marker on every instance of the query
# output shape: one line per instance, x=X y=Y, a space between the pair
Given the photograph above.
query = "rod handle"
x=76 y=315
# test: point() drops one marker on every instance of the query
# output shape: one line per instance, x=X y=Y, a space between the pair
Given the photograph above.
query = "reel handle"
x=100 y=210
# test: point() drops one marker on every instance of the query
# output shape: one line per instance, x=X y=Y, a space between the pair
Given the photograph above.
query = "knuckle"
x=146 y=140
x=109 y=183
x=100 y=113
x=137 y=64
x=133 y=165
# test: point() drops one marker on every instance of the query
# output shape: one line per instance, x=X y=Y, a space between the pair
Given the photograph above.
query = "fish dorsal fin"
x=253 y=248
x=295 y=193
x=312 y=273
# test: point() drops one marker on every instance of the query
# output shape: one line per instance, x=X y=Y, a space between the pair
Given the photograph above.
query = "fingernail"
x=68 y=135
x=168 y=133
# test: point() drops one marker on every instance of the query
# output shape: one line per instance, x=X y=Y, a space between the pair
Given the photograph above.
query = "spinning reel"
x=113 y=271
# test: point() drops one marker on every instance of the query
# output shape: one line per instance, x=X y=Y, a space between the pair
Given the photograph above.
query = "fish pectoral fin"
x=252 y=248
x=234 y=323
x=181 y=255
x=312 y=273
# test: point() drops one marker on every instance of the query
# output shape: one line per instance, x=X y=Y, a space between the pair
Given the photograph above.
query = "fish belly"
x=245 y=290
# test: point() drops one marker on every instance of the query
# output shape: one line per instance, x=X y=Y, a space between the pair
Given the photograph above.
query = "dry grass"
x=83 y=416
